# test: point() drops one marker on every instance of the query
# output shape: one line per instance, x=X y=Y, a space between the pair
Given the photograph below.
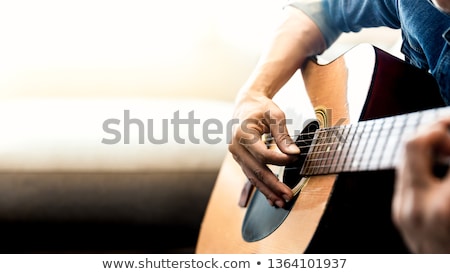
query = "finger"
x=257 y=179
x=262 y=177
x=442 y=150
x=443 y=142
x=422 y=152
x=277 y=124
x=269 y=156
x=249 y=136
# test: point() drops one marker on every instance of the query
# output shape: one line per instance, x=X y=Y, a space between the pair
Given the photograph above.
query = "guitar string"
x=395 y=124
x=317 y=164
x=318 y=161
x=344 y=144
x=338 y=130
x=318 y=140
x=347 y=162
x=328 y=152
x=398 y=121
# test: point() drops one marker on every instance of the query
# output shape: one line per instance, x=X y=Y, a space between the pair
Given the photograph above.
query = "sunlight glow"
x=83 y=47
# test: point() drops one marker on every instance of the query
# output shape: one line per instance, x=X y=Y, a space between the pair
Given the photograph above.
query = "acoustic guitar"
x=345 y=174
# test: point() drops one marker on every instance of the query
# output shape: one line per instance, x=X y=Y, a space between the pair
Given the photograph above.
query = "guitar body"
x=344 y=213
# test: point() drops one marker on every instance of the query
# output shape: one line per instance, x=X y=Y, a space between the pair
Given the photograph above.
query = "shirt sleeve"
x=336 y=16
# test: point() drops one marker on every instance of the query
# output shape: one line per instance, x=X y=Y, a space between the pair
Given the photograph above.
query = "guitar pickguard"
x=261 y=219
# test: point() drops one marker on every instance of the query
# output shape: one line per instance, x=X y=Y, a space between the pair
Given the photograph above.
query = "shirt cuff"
x=315 y=9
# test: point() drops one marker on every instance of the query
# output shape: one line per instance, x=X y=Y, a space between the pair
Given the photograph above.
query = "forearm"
x=295 y=39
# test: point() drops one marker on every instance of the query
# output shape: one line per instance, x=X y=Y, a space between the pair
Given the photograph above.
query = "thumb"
x=280 y=133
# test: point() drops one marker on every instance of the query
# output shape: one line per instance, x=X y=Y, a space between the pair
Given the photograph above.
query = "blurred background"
x=100 y=48
x=110 y=48
x=68 y=66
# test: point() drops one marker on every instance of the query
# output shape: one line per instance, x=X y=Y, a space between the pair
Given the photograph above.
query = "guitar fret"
x=320 y=151
x=367 y=162
x=347 y=147
x=391 y=144
x=329 y=150
x=368 y=145
x=389 y=138
x=364 y=140
x=350 y=159
x=343 y=149
x=316 y=162
x=409 y=127
x=336 y=147
x=320 y=156
x=324 y=150
x=311 y=157
x=385 y=133
x=412 y=123
x=400 y=139
x=341 y=136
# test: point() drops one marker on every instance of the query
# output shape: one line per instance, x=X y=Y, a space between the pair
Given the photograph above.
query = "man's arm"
x=296 y=39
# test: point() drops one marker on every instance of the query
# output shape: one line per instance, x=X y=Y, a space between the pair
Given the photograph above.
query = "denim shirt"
x=425 y=29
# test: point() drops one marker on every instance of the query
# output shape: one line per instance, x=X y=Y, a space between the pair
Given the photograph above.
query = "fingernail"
x=286 y=198
x=293 y=148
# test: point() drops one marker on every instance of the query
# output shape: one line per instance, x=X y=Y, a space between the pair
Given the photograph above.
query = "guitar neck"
x=366 y=146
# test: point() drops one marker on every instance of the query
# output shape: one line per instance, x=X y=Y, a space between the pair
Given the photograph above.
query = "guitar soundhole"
x=261 y=219
x=291 y=175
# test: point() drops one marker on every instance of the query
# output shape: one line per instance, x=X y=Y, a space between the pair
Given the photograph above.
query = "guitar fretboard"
x=365 y=146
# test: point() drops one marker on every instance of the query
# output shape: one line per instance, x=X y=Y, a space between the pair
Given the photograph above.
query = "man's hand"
x=421 y=204
x=258 y=115
x=296 y=38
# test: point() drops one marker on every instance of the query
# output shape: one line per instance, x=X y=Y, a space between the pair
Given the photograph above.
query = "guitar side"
x=324 y=201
